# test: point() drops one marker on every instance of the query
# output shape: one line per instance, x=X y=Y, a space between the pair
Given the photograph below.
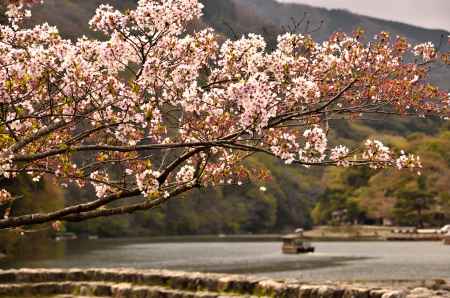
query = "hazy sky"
x=433 y=14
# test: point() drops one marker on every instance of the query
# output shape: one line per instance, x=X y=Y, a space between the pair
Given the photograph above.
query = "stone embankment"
x=126 y=283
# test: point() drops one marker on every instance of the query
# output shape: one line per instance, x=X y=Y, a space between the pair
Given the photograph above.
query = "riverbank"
x=318 y=234
x=124 y=283
x=321 y=233
x=370 y=233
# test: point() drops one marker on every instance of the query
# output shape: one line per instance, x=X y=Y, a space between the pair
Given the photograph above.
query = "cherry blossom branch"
x=146 y=205
x=39 y=218
x=194 y=108
x=105 y=148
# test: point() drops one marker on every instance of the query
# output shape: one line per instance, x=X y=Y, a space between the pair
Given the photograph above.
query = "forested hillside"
x=295 y=197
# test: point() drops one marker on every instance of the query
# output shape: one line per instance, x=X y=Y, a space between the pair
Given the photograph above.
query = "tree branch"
x=39 y=218
x=149 y=204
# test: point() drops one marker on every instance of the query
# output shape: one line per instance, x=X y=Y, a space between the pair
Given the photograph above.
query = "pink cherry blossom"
x=153 y=109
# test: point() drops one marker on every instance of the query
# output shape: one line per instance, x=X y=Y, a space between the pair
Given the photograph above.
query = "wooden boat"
x=296 y=243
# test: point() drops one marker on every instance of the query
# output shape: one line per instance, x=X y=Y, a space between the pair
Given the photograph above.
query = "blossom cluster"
x=426 y=51
x=316 y=143
x=5 y=197
x=339 y=154
x=6 y=164
x=285 y=146
x=186 y=174
x=151 y=17
x=98 y=181
x=255 y=100
x=147 y=182
x=377 y=153
x=409 y=161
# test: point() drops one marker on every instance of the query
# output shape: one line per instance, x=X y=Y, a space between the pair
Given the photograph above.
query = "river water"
x=338 y=261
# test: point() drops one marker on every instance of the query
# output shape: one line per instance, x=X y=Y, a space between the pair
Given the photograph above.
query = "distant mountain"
x=241 y=15
x=270 y=18
x=281 y=14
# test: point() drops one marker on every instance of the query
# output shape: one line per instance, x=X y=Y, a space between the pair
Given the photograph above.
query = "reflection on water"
x=332 y=261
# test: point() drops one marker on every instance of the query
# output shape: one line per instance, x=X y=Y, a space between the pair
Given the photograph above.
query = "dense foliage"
x=371 y=196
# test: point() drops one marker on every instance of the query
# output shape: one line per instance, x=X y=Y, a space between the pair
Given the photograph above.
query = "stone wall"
x=162 y=283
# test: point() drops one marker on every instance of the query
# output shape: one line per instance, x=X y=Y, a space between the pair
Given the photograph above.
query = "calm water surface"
x=363 y=261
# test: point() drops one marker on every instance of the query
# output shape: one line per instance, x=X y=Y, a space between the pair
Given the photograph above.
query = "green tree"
x=412 y=204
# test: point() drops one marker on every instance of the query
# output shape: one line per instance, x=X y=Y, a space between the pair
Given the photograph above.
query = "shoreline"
x=277 y=238
x=318 y=234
